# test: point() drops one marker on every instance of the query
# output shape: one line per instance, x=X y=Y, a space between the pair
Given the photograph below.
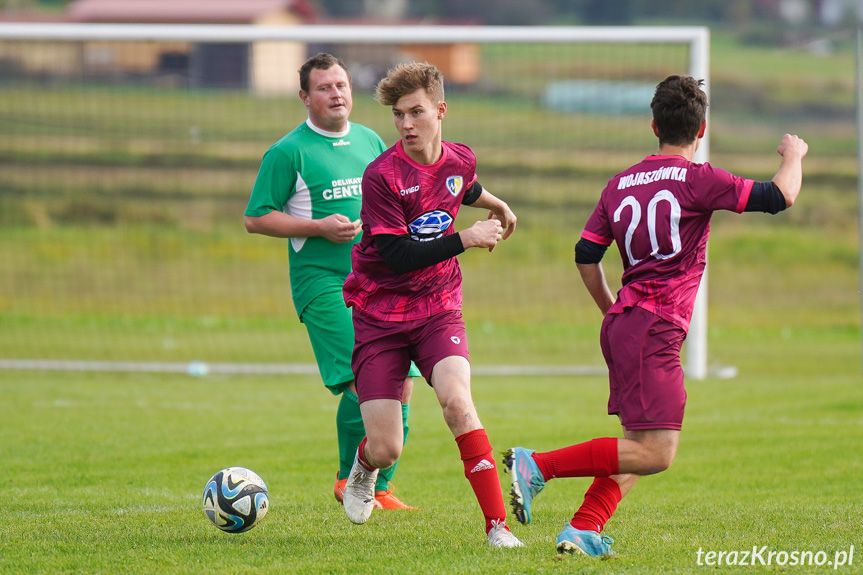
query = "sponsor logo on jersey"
x=430 y=225
x=455 y=339
x=409 y=190
x=454 y=184
x=341 y=143
x=344 y=189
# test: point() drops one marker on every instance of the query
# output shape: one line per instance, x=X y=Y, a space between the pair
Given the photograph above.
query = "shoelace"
x=499 y=526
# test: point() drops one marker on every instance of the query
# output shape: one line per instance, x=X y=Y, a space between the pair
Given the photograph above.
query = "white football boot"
x=500 y=536
x=359 y=495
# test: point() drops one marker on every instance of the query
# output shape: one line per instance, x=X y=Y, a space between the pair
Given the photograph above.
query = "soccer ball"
x=236 y=499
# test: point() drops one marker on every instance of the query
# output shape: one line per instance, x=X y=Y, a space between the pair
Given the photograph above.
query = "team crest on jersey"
x=430 y=225
x=454 y=184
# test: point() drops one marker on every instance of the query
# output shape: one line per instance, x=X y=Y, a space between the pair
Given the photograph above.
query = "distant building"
x=265 y=67
x=368 y=61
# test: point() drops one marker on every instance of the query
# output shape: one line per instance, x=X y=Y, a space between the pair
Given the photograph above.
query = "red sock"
x=362 y=451
x=480 y=470
x=594 y=458
x=600 y=503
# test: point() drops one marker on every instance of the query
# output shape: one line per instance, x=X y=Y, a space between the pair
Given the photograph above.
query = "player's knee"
x=459 y=413
x=659 y=462
x=384 y=455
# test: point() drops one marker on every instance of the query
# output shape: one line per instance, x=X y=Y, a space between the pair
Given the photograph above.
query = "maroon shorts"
x=645 y=378
x=383 y=351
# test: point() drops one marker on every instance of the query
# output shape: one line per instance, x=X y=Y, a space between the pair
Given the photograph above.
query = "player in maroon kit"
x=658 y=212
x=405 y=291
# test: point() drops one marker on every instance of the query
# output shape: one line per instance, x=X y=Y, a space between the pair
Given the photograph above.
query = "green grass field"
x=106 y=472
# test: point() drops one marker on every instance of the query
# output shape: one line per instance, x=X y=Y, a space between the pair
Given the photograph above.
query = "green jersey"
x=311 y=174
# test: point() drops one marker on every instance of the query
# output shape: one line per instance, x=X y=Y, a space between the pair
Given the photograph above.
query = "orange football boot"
x=383 y=499
x=387 y=500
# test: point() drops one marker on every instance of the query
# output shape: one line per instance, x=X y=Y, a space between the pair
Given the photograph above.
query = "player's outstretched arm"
x=789 y=177
x=498 y=210
x=336 y=228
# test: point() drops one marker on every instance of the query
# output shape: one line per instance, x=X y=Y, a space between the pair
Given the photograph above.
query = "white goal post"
x=697 y=39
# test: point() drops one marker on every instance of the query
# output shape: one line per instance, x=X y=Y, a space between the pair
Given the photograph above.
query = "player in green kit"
x=308 y=190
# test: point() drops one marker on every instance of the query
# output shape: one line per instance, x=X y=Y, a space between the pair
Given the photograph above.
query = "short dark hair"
x=679 y=107
x=406 y=79
x=320 y=61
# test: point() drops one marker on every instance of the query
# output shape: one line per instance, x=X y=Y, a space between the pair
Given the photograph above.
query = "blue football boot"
x=527 y=481
x=590 y=543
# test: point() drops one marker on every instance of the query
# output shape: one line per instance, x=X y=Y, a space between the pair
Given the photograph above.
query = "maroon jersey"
x=658 y=212
x=402 y=197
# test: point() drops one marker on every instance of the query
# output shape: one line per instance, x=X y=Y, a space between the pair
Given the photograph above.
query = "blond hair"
x=406 y=79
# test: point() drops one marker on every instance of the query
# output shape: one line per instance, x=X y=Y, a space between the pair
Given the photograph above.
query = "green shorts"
x=331 y=333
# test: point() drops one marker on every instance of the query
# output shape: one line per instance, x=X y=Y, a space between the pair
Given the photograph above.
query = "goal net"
x=129 y=152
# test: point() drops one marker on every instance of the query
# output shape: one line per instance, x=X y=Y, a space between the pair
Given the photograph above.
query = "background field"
x=121 y=239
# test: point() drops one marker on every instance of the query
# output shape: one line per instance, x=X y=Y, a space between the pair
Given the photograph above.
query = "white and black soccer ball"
x=236 y=499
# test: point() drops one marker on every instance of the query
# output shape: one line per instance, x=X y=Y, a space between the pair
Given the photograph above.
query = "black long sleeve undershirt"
x=472 y=194
x=588 y=252
x=403 y=255
x=765 y=197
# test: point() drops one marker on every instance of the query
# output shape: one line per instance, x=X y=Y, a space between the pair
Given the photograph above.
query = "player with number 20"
x=658 y=213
